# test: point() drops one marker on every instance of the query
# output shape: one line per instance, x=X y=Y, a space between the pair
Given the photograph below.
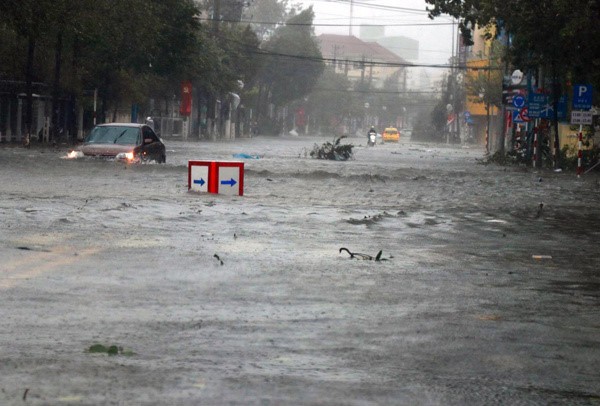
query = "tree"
x=558 y=35
x=553 y=39
x=292 y=61
x=29 y=18
x=330 y=102
x=129 y=50
x=486 y=84
x=266 y=15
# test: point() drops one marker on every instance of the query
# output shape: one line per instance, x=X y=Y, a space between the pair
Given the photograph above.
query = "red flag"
x=300 y=117
x=185 y=108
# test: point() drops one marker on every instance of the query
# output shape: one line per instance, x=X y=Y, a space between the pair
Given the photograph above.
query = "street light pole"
x=482 y=96
x=487 y=128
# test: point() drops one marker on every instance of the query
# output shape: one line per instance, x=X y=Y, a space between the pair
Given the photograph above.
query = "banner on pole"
x=185 y=108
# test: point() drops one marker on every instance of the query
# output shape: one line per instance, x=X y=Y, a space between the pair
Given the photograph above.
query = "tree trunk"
x=56 y=88
x=556 y=91
x=210 y=116
x=29 y=87
x=74 y=125
x=115 y=111
x=258 y=101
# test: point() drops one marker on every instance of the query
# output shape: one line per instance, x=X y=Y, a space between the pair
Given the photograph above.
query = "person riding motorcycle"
x=372 y=132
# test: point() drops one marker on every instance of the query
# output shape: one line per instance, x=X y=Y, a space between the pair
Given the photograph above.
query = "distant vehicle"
x=390 y=134
x=371 y=137
x=129 y=142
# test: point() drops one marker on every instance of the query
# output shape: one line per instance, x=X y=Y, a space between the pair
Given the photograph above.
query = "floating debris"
x=246 y=156
x=367 y=257
x=110 y=350
x=335 y=151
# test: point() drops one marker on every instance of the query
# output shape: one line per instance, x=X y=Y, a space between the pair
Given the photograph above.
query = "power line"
x=324 y=25
x=373 y=63
x=359 y=62
x=379 y=6
x=398 y=92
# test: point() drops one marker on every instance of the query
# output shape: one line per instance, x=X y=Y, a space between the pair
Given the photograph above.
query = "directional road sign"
x=198 y=176
x=216 y=177
x=230 y=178
x=540 y=106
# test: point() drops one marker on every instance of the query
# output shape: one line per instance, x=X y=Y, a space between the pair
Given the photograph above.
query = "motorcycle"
x=371 y=140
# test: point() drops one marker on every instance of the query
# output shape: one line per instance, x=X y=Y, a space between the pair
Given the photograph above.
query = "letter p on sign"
x=582 y=97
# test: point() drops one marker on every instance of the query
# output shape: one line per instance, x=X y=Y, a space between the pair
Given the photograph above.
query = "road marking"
x=38 y=264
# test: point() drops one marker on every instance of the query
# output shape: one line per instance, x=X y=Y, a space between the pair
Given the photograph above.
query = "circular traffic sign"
x=517 y=77
x=524 y=114
x=518 y=101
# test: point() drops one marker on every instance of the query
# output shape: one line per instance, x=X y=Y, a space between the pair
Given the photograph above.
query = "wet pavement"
x=488 y=293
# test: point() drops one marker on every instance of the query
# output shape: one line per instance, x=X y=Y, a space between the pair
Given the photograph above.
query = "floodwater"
x=488 y=290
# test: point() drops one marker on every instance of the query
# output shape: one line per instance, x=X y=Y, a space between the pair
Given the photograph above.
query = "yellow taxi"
x=390 y=134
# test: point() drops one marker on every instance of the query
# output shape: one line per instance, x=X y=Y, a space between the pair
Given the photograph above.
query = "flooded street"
x=489 y=291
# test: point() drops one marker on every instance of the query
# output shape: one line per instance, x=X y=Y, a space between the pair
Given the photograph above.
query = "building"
x=362 y=62
x=407 y=48
x=482 y=119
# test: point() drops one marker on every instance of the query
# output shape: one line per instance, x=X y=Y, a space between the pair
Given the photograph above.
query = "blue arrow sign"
x=230 y=182
x=200 y=181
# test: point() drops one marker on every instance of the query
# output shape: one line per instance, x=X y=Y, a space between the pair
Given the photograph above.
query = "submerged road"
x=489 y=291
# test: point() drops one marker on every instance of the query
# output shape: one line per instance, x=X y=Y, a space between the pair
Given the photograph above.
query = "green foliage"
x=569 y=158
x=292 y=60
x=423 y=129
x=11 y=54
x=488 y=83
x=438 y=120
x=559 y=35
x=129 y=50
x=265 y=14
x=329 y=101
x=237 y=59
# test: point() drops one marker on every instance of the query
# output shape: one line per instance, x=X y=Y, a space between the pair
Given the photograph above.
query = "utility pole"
x=362 y=71
x=504 y=120
x=211 y=110
x=216 y=17
x=351 y=13
x=335 y=48
x=458 y=104
x=452 y=88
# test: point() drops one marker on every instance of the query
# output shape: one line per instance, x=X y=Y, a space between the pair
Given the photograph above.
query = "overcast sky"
x=435 y=40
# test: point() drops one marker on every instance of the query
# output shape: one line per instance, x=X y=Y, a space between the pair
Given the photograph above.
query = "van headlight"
x=127 y=156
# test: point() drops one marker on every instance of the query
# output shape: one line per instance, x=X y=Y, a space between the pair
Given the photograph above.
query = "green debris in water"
x=110 y=350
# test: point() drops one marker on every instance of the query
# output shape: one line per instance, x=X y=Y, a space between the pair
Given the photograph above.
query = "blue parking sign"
x=582 y=97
